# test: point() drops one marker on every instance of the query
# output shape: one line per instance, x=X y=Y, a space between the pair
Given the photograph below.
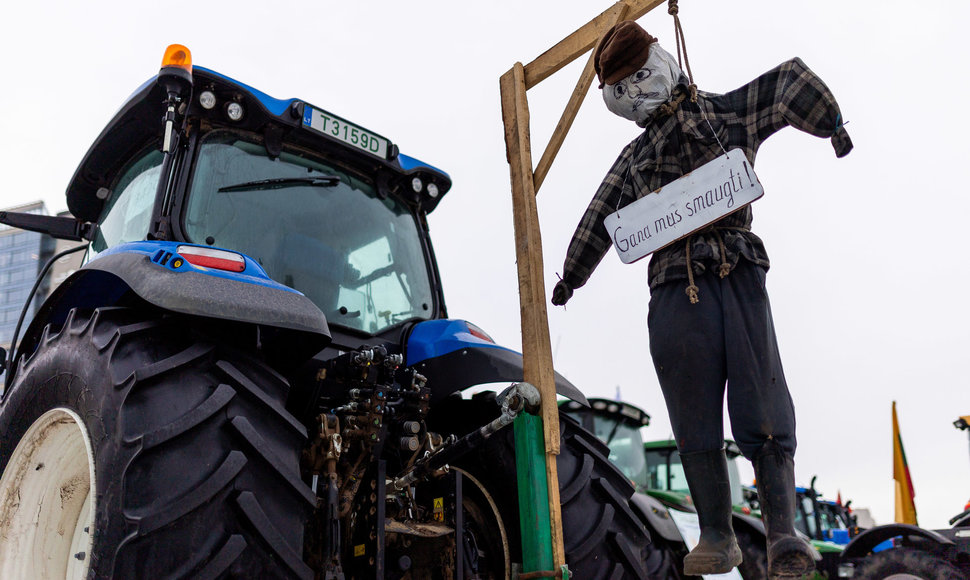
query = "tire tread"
x=218 y=481
x=251 y=508
x=212 y=405
x=186 y=459
x=252 y=436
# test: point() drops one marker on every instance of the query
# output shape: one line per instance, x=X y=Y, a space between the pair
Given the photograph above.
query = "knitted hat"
x=621 y=52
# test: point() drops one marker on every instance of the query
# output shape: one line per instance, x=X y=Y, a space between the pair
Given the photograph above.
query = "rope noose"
x=681 y=43
x=683 y=62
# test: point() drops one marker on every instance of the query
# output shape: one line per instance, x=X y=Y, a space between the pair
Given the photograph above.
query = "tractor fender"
x=175 y=285
x=657 y=518
x=869 y=539
x=455 y=355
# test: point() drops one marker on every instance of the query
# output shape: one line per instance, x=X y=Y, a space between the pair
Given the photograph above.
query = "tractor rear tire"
x=603 y=537
x=152 y=452
x=909 y=564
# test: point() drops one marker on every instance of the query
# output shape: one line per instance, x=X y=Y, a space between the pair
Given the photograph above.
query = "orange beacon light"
x=178 y=56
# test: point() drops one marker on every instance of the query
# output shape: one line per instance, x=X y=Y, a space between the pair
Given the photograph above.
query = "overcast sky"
x=869 y=259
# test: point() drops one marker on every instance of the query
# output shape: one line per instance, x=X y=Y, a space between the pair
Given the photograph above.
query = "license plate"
x=682 y=207
x=345 y=131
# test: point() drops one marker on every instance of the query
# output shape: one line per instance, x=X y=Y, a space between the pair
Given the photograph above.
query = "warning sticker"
x=438 y=513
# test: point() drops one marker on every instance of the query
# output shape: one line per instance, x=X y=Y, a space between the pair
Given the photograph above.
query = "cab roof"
x=138 y=125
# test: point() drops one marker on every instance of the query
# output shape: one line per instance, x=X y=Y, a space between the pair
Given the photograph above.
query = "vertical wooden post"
x=536 y=349
x=537 y=367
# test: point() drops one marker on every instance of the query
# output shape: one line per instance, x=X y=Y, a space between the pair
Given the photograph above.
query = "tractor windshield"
x=315 y=227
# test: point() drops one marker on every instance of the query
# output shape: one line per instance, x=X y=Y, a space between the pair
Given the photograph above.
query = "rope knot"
x=693 y=92
x=670 y=107
x=692 y=294
x=724 y=270
x=672 y=8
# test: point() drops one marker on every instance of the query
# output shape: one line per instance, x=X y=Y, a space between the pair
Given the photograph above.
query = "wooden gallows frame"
x=536 y=349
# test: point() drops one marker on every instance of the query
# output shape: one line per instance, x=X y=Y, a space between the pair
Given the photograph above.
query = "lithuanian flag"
x=905 y=508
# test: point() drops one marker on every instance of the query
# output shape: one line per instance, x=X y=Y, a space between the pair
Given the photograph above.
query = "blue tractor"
x=254 y=375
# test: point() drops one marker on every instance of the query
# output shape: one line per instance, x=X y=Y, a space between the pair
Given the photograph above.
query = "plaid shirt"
x=673 y=145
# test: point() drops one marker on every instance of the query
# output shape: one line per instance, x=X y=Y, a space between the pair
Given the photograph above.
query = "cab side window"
x=127 y=213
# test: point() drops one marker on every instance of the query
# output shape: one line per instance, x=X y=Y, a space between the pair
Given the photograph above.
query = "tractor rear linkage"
x=387 y=406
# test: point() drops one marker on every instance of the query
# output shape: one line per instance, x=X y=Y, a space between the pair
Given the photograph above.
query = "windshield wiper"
x=283 y=182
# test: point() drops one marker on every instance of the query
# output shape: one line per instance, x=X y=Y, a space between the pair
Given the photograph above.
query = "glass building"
x=22 y=256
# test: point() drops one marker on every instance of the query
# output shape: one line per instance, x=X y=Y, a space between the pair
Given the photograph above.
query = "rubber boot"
x=717 y=551
x=788 y=555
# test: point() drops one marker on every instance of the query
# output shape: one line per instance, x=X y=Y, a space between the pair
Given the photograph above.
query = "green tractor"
x=656 y=471
x=827 y=524
x=662 y=495
x=666 y=478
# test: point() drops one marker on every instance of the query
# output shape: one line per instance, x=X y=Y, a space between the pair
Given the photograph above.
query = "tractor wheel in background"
x=754 y=565
x=486 y=549
x=603 y=536
x=131 y=448
x=907 y=564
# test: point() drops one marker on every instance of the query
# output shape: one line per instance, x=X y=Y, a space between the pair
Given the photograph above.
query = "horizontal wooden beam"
x=572 y=107
x=576 y=44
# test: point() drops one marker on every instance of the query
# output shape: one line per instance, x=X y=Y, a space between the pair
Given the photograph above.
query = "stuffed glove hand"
x=561 y=293
x=841 y=142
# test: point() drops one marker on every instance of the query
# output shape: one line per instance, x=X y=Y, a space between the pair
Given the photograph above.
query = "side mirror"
x=62 y=228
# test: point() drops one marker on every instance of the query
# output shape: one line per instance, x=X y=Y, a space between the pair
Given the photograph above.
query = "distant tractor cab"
x=618 y=425
x=665 y=471
x=822 y=519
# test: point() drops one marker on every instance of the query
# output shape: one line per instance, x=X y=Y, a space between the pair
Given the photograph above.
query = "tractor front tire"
x=131 y=446
x=908 y=563
x=754 y=563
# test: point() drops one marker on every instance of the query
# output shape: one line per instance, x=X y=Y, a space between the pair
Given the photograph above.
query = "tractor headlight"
x=207 y=99
x=234 y=111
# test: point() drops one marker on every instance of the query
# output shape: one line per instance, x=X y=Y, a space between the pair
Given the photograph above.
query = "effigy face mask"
x=637 y=96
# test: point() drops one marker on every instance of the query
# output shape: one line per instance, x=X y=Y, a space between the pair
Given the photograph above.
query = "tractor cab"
x=822 y=519
x=618 y=425
x=320 y=204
